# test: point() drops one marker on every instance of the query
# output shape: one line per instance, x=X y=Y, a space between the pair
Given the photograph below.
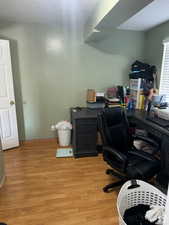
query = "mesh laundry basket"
x=138 y=192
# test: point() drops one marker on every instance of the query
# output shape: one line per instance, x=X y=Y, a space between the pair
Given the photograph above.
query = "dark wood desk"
x=84 y=136
x=139 y=118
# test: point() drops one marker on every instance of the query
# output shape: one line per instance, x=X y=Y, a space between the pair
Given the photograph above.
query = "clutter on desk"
x=159 y=101
x=143 y=70
x=139 y=95
x=113 y=102
x=117 y=96
x=159 y=111
x=112 y=99
x=95 y=100
x=111 y=92
x=143 y=83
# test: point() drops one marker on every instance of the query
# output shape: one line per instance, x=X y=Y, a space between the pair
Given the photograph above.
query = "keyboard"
x=159 y=121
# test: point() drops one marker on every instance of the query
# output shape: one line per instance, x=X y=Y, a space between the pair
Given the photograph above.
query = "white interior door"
x=8 y=121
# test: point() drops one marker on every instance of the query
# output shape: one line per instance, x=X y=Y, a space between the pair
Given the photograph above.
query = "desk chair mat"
x=64 y=152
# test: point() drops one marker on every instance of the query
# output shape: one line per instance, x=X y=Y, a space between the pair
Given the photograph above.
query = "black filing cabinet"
x=84 y=134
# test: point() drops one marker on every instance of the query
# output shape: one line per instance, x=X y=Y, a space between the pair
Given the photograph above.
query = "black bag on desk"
x=142 y=70
x=138 y=66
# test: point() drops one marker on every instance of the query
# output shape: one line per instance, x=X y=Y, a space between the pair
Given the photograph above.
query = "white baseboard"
x=2 y=181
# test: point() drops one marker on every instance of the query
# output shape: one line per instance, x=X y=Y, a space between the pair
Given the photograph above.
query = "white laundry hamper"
x=136 y=192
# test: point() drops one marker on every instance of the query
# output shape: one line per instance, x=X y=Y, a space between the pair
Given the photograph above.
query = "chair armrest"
x=119 y=159
x=116 y=153
x=146 y=139
x=143 y=155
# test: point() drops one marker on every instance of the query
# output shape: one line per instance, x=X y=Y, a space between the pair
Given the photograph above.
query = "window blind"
x=164 y=80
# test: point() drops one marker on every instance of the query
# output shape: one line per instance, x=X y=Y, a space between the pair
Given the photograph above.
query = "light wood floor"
x=43 y=190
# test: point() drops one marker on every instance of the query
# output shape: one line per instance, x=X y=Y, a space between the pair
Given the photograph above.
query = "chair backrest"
x=163 y=176
x=114 y=128
x=164 y=155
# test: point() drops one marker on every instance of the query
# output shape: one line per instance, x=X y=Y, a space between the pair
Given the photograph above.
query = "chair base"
x=109 y=187
x=115 y=174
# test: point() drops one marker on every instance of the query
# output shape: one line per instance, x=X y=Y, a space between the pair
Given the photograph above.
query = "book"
x=141 y=102
x=91 y=95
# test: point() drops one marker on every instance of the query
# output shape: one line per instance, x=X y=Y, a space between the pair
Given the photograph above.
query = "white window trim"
x=165 y=45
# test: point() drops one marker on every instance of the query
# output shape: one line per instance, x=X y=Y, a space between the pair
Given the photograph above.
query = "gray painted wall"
x=53 y=68
x=154 y=45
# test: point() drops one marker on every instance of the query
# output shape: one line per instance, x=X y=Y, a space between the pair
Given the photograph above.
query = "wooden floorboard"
x=43 y=190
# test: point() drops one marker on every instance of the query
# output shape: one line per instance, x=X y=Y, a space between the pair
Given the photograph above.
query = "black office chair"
x=119 y=152
x=162 y=178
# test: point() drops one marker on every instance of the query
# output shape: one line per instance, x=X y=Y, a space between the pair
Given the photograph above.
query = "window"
x=164 y=80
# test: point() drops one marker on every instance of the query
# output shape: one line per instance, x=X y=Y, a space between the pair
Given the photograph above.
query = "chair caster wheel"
x=105 y=190
x=108 y=172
